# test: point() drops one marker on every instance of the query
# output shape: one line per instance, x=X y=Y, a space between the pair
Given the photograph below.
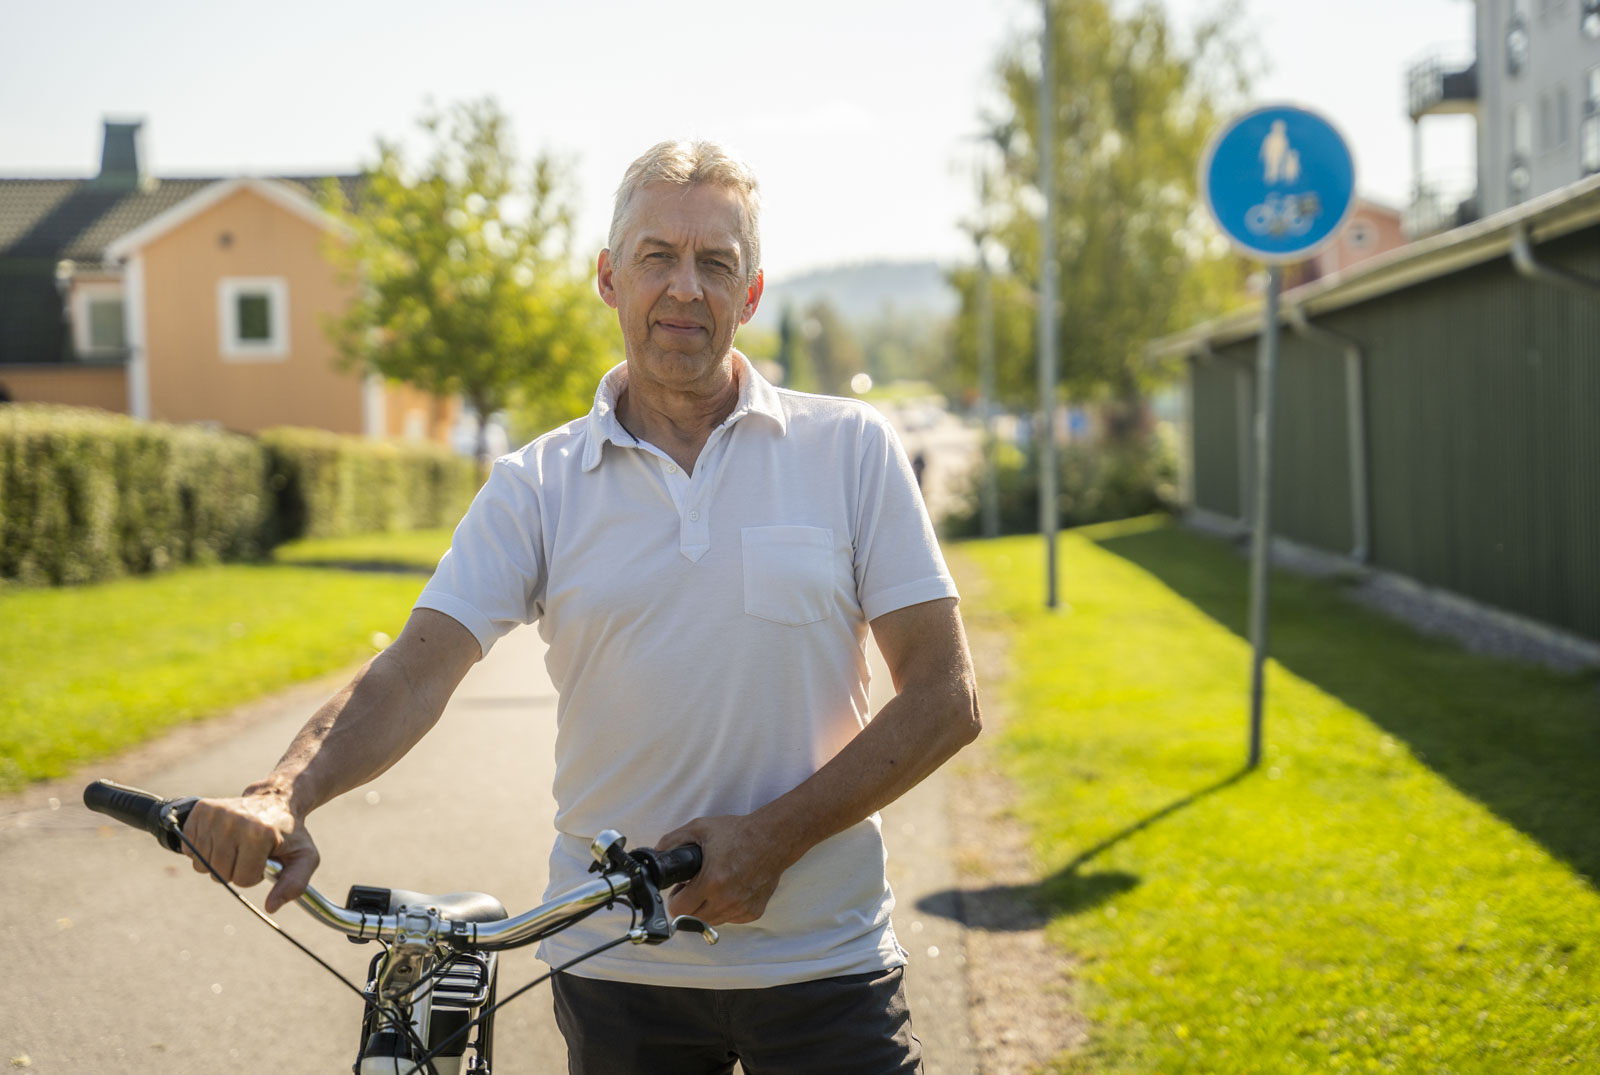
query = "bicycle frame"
x=438 y=996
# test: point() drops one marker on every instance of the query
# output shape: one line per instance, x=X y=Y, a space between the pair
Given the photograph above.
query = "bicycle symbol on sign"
x=1283 y=214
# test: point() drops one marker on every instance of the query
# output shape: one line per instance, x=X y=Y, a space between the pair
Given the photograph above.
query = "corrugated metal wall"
x=1482 y=397
x=1219 y=485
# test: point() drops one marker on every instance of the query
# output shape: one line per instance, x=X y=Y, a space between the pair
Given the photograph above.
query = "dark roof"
x=77 y=218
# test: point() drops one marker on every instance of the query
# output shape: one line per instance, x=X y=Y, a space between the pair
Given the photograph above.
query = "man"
x=703 y=553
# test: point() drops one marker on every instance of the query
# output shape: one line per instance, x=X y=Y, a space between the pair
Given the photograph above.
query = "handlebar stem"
x=423 y=924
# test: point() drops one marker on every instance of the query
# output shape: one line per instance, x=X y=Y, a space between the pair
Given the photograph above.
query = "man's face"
x=678 y=284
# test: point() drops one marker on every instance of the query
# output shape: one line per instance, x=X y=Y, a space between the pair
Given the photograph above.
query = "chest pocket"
x=788 y=573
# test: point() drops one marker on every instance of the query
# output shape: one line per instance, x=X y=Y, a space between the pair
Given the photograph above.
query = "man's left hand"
x=739 y=869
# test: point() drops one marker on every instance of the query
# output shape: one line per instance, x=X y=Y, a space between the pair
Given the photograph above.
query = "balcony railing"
x=1442 y=80
x=1440 y=201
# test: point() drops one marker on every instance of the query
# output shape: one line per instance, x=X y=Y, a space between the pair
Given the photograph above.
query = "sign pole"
x=990 y=494
x=1261 y=540
x=1049 y=517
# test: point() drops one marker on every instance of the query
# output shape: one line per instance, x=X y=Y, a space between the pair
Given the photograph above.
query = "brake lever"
x=655 y=927
x=694 y=925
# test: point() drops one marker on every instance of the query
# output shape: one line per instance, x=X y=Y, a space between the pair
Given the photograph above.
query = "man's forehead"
x=709 y=213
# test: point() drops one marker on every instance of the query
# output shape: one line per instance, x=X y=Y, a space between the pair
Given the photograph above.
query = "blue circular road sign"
x=1279 y=182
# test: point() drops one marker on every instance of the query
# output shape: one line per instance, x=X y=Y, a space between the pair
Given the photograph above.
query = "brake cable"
x=366 y=1001
x=427 y=1058
x=428 y=1055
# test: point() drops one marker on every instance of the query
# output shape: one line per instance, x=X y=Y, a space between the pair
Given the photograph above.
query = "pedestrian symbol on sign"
x=1282 y=160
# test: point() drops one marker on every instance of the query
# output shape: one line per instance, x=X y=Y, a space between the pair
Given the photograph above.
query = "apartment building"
x=1533 y=86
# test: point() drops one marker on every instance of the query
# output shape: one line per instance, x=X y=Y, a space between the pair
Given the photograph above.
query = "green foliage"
x=86 y=495
x=327 y=485
x=1134 y=108
x=1408 y=882
x=466 y=283
x=128 y=659
x=905 y=347
x=1096 y=483
x=757 y=343
x=1016 y=352
x=832 y=346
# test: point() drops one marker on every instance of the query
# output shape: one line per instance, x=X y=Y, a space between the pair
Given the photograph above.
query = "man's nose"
x=684 y=284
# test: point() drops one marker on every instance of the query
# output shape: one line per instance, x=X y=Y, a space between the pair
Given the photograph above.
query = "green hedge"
x=327 y=485
x=86 y=496
x=1096 y=483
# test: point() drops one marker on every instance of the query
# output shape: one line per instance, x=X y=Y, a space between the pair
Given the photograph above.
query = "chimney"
x=120 y=165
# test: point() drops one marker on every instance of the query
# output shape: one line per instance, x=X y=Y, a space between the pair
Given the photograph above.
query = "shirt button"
x=672 y=468
x=694 y=516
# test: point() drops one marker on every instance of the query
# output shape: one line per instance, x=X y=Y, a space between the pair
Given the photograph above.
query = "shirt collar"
x=756 y=396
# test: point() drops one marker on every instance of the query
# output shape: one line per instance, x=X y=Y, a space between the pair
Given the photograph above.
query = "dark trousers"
x=857 y=1024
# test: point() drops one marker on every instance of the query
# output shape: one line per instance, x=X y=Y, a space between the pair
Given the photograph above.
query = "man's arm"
x=933 y=714
x=363 y=730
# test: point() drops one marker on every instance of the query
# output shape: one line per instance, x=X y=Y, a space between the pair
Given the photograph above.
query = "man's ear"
x=752 y=298
x=603 y=281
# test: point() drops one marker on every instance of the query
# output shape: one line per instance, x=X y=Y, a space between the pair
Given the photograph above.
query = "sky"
x=858 y=115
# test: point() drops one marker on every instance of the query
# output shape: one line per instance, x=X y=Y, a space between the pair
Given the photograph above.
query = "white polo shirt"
x=707 y=640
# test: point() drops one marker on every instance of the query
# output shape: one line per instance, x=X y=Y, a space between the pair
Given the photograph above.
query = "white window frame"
x=1589 y=124
x=1361 y=234
x=82 y=295
x=273 y=349
x=1521 y=130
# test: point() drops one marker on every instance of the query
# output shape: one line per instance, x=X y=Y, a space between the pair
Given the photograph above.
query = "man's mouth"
x=675 y=325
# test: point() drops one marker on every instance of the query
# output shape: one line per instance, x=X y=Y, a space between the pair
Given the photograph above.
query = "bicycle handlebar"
x=634 y=878
x=678 y=866
x=139 y=809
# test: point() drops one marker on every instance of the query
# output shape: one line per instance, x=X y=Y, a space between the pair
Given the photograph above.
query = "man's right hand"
x=237 y=836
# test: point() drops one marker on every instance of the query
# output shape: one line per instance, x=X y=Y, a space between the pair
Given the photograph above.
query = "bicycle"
x=429 y=1001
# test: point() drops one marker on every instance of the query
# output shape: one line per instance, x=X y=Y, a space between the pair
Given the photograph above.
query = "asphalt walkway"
x=123 y=960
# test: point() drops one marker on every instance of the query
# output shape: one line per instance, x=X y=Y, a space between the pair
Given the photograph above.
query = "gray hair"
x=686 y=164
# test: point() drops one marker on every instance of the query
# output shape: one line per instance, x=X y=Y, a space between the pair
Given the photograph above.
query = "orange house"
x=205 y=304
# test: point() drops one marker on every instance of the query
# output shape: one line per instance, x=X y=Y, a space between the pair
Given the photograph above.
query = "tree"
x=1134 y=108
x=827 y=354
x=465 y=280
x=900 y=346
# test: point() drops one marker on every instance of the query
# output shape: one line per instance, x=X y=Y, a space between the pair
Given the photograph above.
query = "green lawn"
x=86 y=671
x=413 y=550
x=1408 y=882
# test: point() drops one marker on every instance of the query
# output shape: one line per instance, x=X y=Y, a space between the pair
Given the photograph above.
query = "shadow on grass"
x=386 y=567
x=1067 y=891
x=1524 y=741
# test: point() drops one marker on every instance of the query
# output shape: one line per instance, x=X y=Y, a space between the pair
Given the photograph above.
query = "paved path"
x=123 y=960
x=951 y=448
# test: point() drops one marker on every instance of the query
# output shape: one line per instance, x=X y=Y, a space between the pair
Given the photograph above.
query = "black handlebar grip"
x=140 y=809
x=678 y=865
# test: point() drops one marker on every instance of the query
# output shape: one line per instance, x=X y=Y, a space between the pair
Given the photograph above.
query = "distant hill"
x=862 y=292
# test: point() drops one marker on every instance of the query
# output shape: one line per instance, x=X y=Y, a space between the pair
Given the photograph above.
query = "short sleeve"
x=493 y=575
x=897 y=557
